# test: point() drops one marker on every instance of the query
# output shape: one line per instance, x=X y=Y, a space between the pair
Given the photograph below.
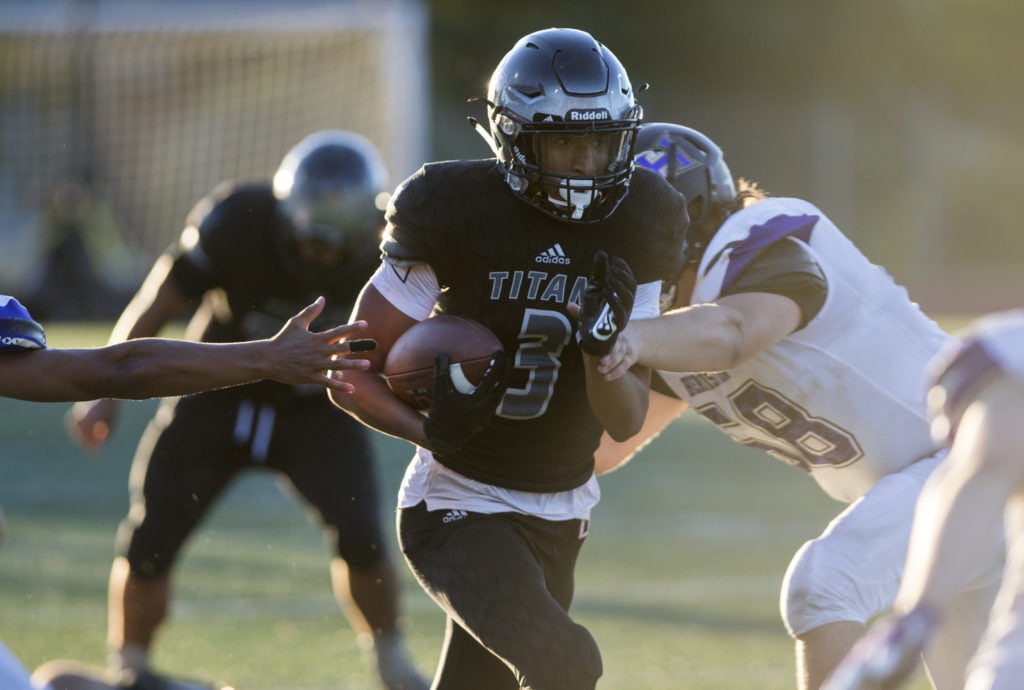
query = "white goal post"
x=150 y=104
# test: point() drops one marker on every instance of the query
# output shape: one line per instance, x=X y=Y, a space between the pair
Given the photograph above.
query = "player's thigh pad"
x=851 y=572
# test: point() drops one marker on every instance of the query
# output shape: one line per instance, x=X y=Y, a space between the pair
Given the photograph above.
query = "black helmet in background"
x=332 y=189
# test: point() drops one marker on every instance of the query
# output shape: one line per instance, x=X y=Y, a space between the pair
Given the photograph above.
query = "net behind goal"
x=143 y=107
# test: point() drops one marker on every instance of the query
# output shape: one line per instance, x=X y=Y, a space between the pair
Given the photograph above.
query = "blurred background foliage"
x=899 y=118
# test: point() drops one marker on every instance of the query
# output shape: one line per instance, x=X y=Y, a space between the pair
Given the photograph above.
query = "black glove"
x=607 y=304
x=456 y=417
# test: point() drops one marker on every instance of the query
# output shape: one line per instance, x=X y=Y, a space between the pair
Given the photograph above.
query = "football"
x=409 y=367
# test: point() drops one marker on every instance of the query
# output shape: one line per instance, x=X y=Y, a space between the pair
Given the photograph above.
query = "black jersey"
x=515 y=269
x=236 y=254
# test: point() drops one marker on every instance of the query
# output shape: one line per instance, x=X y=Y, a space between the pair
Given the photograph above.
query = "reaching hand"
x=885 y=657
x=299 y=355
x=607 y=303
x=455 y=417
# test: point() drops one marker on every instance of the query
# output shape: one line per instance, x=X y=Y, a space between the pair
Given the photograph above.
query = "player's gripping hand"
x=607 y=304
x=455 y=417
x=886 y=657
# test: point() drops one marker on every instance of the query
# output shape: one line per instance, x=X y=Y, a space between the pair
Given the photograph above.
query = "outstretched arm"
x=712 y=336
x=154 y=367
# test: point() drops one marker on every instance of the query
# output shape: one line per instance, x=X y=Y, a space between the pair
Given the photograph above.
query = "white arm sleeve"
x=645 y=306
x=413 y=290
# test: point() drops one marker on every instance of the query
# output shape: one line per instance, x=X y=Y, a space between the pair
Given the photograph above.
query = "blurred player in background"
x=495 y=505
x=781 y=333
x=248 y=254
x=977 y=403
x=150 y=367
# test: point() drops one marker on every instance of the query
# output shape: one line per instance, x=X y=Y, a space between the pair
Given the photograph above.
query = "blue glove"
x=18 y=331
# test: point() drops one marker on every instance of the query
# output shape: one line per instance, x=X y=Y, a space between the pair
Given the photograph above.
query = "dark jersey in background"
x=235 y=256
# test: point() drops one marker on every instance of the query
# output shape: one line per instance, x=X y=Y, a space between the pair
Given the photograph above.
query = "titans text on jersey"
x=515 y=269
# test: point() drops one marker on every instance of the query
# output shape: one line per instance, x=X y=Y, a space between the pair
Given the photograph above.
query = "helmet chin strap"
x=578 y=200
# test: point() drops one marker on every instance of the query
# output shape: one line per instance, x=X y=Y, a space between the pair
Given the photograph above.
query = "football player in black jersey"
x=248 y=255
x=143 y=368
x=496 y=503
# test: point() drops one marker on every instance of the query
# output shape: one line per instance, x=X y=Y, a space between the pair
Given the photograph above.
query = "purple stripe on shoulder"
x=761 y=236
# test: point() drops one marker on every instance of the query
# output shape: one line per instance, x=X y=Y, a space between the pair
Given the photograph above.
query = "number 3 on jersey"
x=542 y=337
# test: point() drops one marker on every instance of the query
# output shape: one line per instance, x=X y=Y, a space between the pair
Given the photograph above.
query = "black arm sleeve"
x=789 y=269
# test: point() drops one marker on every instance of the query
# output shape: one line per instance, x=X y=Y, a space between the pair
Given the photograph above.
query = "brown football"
x=409 y=367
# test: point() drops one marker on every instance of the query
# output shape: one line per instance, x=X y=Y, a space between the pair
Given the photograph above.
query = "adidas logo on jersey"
x=553 y=255
x=453 y=515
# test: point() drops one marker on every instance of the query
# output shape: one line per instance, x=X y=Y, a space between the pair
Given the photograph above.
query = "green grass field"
x=678 y=581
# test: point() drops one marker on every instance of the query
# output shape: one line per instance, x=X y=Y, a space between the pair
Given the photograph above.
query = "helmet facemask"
x=539 y=163
x=563 y=122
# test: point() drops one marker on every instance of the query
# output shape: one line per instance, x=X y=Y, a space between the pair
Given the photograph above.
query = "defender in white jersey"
x=977 y=403
x=785 y=336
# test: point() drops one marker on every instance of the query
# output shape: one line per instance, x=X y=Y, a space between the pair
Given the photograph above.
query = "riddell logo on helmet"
x=589 y=115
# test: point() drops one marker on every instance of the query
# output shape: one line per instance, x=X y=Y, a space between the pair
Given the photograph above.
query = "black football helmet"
x=690 y=161
x=332 y=187
x=559 y=83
